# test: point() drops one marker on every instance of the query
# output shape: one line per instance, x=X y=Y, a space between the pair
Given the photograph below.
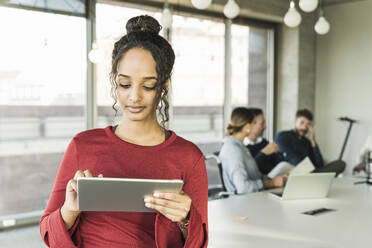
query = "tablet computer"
x=120 y=194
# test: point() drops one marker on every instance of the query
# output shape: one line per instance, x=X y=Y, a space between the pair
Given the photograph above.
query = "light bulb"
x=322 y=26
x=308 y=5
x=95 y=55
x=166 y=19
x=201 y=4
x=292 y=18
x=231 y=9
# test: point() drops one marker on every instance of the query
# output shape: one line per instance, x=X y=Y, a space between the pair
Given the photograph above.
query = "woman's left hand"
x=174 y=206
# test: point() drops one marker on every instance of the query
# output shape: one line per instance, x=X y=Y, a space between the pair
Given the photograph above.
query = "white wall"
x=344 y=79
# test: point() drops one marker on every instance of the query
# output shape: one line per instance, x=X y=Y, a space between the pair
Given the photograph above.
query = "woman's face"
x=136 y=81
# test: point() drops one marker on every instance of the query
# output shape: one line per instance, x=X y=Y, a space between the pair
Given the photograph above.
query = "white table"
x=274 y=223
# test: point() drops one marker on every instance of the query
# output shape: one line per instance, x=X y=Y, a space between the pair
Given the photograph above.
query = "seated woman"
x=139 y=147
x=240 y=172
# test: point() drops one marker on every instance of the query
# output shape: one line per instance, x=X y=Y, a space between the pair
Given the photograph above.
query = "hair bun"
x=143 y=23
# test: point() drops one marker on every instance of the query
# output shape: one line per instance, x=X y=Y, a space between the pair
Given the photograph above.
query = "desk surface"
x=271 y=222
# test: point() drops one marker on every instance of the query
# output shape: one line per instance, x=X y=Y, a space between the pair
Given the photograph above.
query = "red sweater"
x=101 y=151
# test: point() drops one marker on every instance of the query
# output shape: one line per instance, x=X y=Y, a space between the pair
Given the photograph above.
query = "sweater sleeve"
x=289 y=154
x=263 y=162
x=316 y=157
x=52 y=227
x=196 y=187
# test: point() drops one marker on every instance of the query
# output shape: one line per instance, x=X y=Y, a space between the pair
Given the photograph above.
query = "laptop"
x=307 y=186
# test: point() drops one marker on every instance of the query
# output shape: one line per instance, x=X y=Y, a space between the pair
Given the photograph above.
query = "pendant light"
x=292 y=18
x=166 y=19
x=95 y=55
x=231 y=9
x=322 y=26
x=201 y=4
x=308 y=5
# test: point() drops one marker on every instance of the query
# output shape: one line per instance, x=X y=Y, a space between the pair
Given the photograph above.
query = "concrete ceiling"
x=332 y=2
x=269 y=10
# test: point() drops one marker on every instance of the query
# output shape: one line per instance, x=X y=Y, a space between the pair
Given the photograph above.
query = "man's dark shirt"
x=264 y=162
x=295 y=149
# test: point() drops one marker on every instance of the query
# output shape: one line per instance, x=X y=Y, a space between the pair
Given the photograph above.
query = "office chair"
x=216 y=190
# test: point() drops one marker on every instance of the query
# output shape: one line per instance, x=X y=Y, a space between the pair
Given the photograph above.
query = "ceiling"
x=333 y=2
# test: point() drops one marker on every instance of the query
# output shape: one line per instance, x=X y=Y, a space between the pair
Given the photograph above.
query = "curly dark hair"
x=143 y=32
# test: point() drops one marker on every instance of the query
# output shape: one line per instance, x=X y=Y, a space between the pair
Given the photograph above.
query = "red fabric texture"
x=101 y=151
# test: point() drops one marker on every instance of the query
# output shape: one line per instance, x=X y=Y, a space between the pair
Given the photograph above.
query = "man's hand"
x=270 y=149
x=312 y=135
x=358 y=167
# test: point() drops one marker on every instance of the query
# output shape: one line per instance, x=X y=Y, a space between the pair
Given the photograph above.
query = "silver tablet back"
x=121 y=194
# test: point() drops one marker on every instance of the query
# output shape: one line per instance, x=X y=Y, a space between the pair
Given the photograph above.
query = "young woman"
x=139 y=147
x=240 y=172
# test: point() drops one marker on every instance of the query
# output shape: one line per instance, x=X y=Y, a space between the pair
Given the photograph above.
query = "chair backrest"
x=220 y=169
x=214 y=171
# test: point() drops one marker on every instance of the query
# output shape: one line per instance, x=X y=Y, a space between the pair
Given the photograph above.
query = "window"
x=198 y=80
x=43 y=81
x=260 y=79
x=74 y=7
x=42 y=97
x=239 y=65
x=252 y=75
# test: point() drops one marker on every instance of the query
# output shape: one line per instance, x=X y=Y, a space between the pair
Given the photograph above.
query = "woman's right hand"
x=70 y=210
x=280 y=181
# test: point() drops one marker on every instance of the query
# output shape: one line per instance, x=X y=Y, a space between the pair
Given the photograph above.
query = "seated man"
x=266 y=154
x=295 y=146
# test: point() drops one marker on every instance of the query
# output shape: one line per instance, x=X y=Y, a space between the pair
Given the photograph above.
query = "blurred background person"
x=240 y=172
